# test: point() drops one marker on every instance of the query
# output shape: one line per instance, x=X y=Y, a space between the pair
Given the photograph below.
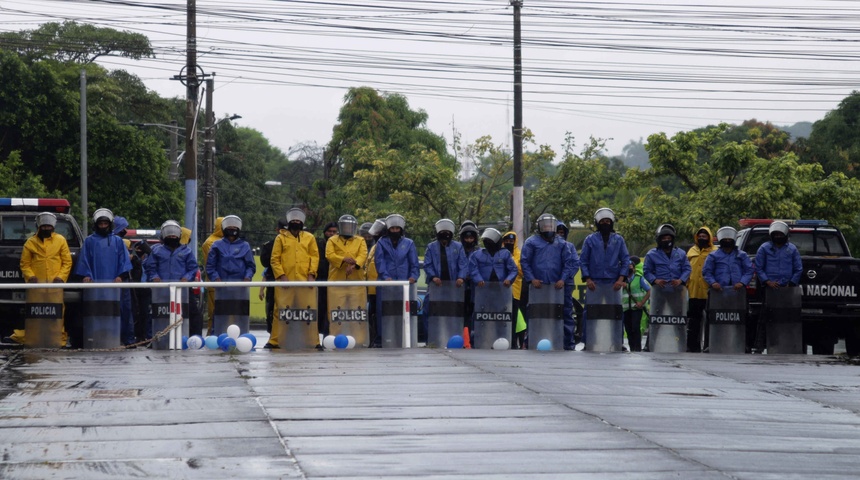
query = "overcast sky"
x=609 y=69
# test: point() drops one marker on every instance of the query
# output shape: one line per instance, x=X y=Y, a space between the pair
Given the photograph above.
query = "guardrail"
x=176 y=319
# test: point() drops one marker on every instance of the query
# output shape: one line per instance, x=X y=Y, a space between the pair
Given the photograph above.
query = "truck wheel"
x=852 y=342
x=822 y=346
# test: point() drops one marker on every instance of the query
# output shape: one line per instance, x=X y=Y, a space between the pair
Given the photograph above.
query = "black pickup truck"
x=17 y=224
x=830 y=282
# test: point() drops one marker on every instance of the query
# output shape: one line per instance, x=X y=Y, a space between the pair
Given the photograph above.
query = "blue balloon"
x=544 y=345
x=228 y=344
x=211 y=342
x=252 y=337
x=221 y=338
x=341 y=341
x=455 y=342
x=185 y=342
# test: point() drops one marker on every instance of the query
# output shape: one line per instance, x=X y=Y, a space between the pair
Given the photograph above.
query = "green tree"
x=76 y=43
x=835 y=140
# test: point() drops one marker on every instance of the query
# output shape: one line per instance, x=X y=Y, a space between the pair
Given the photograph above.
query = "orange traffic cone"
x=467 y=343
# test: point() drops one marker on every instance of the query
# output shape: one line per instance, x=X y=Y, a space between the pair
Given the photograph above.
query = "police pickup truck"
x=830 y=281
x=17 y=224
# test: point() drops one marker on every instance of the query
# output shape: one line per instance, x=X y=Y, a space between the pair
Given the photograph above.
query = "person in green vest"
x=634 y=301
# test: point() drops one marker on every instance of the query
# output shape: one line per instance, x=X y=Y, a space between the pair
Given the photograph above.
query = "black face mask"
x=171 y=242
x=666 y=244
x=604 y=228
x=491 y=246
x=122 y=233
x=395 y=236
x=231 y=233
x=779 y=240
x=102 y=231
x=45 y=233
x=510 y=247
x=295 y=227
x=727 y=243
x=445 y=237
x=702 y=242
x=548 y=236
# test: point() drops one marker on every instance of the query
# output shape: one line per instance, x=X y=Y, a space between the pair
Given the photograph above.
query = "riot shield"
x=101 y=319
x=546 y=306
x=784 y=326
x=493 y=314
x=232 y=307
x=347 y=313
x=445 y=313
x=43 y=324
x=603 y=316
x=391 y=320
x=668 y=323
x=727 y=319
x=296 y=309
x=161 y=316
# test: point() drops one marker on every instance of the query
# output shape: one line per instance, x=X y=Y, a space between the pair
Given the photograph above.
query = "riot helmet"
x=727 y=233
x=46 y=218
x=347 y=225
x=295 y=215
x=491 y=234
x=378 y=227
x=546 y=226
x=364 y=229
x=602 y=213
x=778 y=232
x=102 y=213
x=170 y=228
x=662 y=231
x=231 y=226
x=395 y=220
x=445 y=225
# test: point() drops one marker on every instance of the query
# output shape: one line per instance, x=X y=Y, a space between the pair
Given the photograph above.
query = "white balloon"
x=244 y=344
x=328 y=342
x=351 y=341
x=233 y=331
x=195 y=342
x=501 y=344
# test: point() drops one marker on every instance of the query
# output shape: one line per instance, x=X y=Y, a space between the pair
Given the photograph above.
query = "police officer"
x=295 y=257
x=170 y=261
x=45 y=259
x=777 y=265
x=546 y=259
x=216 y=235
x=396 y=256
x=605 y=259
x=493 y=263
x=666 y=266
x=445 y=259
x=377 y=230
x=698 y=287
x=231 y=258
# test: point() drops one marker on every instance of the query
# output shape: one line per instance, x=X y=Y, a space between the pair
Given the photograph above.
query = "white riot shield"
x=784 y=325
x=493 y=314
x=391 y=318
x=445 y=312
x=43 y=324
x=101 y=319
x=232 y=307
x=161 y=316
x=603 y=317
x=668 y=324
x=546 y=307
x=347 y=313
x=727 y=319
x=296 y=309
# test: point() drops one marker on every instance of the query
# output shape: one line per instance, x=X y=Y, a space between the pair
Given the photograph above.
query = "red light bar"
x=58 y=205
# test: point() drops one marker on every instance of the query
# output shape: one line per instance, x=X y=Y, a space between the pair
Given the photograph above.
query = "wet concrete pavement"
x=425 y=413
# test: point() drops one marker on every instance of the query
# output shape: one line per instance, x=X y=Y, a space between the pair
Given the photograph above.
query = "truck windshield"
x=823 y=242
x=16 y=229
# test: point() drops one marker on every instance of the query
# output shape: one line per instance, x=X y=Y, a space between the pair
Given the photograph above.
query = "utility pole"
x=173 y=169
x=209 y=160
x=191 y=124
x=517 y=215
x=84 y=200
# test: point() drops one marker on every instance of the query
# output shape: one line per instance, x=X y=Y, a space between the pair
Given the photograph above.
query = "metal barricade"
x=668 y=322
x=603 y=316
x=546 y=306
x=162 y=307
x=493 y=314
x=391 y=322
x=727 y=315
x=445 y=307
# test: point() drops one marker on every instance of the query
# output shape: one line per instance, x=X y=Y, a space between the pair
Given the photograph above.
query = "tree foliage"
x=75 y=43
x=835 y=139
